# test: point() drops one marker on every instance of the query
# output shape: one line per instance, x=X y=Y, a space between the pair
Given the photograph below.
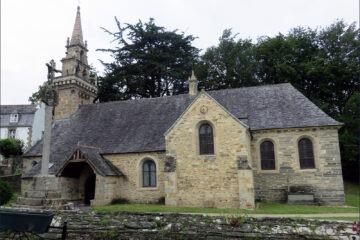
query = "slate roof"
x=101 y=165
x=26 y=115
x=139 y=125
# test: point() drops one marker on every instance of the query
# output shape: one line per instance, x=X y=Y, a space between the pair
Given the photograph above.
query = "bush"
x=161 y=201
x=119 y=201
x=5 y=192
x=11 y=147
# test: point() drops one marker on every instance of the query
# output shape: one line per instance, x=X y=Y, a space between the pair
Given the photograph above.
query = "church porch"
x=89 y=178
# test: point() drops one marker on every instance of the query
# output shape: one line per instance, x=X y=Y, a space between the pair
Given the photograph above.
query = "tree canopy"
x=11 y=147
x=324 y=64
x=148 y=61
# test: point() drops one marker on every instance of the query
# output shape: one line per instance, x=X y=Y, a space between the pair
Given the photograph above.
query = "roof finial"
x=193 y=84
x=193 y=77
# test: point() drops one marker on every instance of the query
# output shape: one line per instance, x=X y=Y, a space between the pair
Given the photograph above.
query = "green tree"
x=231 y=64
x=324 y=64
x=350 y=137
x=149 y=61
x=11 y=147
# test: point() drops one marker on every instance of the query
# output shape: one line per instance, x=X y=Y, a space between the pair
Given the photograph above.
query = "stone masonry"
x=207 y=180
x=325 y=181
x=130 y=187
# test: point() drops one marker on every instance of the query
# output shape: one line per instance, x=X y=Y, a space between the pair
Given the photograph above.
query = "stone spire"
x=76 y=85
x=193 y=84
x=75 y=61
x=77 y=35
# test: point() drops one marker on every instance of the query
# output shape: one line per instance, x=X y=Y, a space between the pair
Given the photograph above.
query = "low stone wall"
x=90 y=225
x=14 y=181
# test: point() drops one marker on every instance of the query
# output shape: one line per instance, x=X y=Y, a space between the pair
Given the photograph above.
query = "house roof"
x=139 y=125
x=26 y=115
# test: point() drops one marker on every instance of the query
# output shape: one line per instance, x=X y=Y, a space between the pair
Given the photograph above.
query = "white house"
x=23 y=122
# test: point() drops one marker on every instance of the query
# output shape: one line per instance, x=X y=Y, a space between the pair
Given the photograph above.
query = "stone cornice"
x=296 y=129
x=73 y=80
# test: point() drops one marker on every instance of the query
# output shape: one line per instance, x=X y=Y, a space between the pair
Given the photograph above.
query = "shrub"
x=5 y=192
x=119 y=201
x=236 y=220
x=11 y=147
x=161 y=201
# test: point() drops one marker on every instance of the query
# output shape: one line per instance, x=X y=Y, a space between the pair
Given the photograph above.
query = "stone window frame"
x=140 y=173
x=315 y=150
x=258 y=152
x=197 y=140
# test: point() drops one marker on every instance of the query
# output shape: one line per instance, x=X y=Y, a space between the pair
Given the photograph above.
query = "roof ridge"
x=133 y=100
x=257 y=86
x=177 y=95
x=87 y=146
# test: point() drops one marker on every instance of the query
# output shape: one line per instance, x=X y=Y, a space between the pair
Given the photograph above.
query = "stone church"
x=225 y=148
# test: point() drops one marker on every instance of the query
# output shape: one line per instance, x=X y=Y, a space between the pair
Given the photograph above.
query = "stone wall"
x=29 y=162
x=69 y=188
x=129 y=186
x=325 y=181
x=206 y=180
x=96 y=226
x=69 y=100
x=106 y=189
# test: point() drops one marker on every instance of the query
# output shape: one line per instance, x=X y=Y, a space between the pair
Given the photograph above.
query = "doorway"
x=89 y=188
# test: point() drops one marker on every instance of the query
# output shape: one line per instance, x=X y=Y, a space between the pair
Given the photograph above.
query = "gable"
x=203 y=102
x=92 y=157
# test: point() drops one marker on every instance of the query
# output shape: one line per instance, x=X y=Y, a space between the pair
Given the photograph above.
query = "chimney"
x=193 y=84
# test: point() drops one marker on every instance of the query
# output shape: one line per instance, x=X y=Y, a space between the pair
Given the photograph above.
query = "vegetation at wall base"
x=6 y=192
x=351 y=194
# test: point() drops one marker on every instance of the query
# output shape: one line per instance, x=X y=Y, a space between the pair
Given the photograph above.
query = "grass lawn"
x=352 y=199
x=263 y=208
x=352 y=194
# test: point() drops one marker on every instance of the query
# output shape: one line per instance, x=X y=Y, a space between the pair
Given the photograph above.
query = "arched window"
x=149 y=173
x=306 y=153
x=267 y=155
x=206 y=139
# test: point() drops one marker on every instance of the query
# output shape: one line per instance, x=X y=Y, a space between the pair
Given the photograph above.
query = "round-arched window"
x=306 y=153
x=267 y=155
x=206 y=139
x=149 y=173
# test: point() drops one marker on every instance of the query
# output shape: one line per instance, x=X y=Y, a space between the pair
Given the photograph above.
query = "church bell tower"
x=76 y=85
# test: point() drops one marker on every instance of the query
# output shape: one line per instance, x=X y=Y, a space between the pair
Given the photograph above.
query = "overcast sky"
x=34 y=31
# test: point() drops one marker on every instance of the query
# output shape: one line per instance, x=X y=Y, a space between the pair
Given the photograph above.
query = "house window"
x=306 y=153
x=267 y=155
x=12 y=133
x=14 y=118
x=206 y=139
x=149 y=173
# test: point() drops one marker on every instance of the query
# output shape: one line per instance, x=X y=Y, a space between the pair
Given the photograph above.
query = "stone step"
x=42 y=201
x=30 y=201
x=27 y=207
x=41 y=194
